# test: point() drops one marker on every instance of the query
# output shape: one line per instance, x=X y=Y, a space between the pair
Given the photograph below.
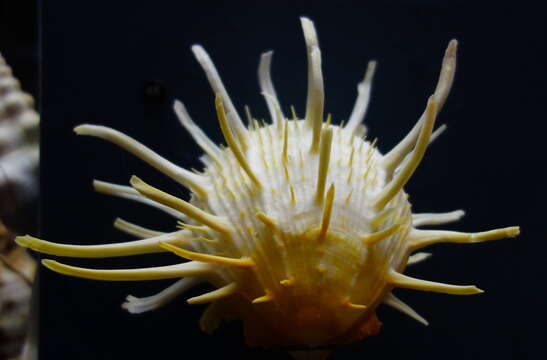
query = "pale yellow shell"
x=302 y=226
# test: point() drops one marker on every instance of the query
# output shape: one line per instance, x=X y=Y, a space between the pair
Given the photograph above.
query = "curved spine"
x=135 y=305
x=316 y=93
x=397 y=304
x=210 y=148
x=238 y=153
x=193 y=268
x=218 y=88
x=403 y=281
x=129 y=193
x=363 y=98
x=446 y=77
x=214 y=295
x=423 y=238
x=267 y=88
x=135 y=230
x=145 y=246
x=207 y=258
x=187 y=178
x=404 y=175
x=437 y=218
x=184 y=207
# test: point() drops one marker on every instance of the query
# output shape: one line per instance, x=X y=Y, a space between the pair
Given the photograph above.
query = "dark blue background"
x=99 y=60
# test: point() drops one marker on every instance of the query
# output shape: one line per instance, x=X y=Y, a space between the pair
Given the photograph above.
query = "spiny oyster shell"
x=302 y=226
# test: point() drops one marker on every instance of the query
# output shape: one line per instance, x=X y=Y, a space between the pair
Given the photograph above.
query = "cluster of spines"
x=399 y=164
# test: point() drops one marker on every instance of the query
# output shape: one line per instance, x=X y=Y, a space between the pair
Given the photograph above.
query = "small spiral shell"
x=19 y=147
x=18 y=187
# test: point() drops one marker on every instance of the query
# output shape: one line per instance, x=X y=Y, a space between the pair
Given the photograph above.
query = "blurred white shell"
x=19 y=147
x=302 y=226
x=18 y=186
x=16 y=275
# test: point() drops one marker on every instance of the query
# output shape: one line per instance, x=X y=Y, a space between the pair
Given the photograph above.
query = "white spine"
x=363 y=98
x=218 y=87
x=267 y=88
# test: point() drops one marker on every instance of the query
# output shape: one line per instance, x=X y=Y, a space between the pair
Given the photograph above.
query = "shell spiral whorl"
x=19 y=149
x=19 y=158
x=302 y=226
